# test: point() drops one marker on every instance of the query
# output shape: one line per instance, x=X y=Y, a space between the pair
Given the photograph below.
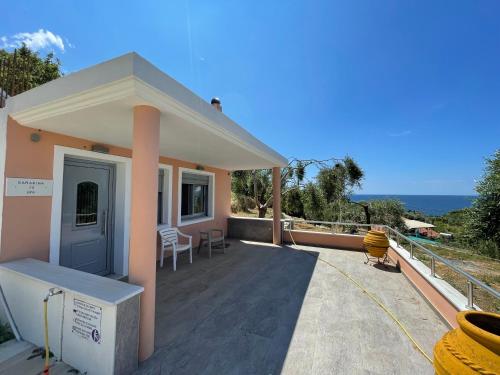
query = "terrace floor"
x=263 y=309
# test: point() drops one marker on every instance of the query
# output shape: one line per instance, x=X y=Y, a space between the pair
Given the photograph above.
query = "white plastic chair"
x=170 y=240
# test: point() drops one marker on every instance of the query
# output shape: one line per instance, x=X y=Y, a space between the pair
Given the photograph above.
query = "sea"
x=432 y=205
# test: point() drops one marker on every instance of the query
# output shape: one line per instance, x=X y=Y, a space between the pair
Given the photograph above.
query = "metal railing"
x=289 y=224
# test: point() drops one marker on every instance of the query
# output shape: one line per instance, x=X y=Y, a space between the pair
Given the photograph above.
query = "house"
x=96 y=160
x=420 y=228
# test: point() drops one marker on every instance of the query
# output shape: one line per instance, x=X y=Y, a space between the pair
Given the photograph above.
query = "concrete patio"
x=263 y=309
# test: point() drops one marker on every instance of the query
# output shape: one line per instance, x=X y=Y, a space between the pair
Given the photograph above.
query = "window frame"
x=168 y=176
x=196 y=218
x=92 y=223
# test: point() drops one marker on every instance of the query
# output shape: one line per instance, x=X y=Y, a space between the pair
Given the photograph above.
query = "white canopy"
x=415 y=224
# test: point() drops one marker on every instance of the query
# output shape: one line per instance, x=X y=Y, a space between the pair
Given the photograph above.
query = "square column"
x=142 y=260
x=277 y=205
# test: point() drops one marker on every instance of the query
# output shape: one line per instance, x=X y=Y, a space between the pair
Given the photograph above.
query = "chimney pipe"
x=216 y=104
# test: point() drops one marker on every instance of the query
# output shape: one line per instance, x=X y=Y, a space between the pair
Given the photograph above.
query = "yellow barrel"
x=472 y=348
x=376 y=243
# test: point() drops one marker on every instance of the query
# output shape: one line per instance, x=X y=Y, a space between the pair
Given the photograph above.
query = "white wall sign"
x=87 y=321
x=28 y=187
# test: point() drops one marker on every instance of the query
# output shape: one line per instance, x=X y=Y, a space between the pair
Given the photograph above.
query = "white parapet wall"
x=83 y=319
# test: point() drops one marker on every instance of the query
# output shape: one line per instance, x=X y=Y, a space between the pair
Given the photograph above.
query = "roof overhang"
x=97 y=104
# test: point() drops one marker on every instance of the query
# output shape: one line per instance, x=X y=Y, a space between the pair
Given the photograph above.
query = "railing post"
x=397 y=238
x=433 y=267
x=470 y=295
x=411 y=250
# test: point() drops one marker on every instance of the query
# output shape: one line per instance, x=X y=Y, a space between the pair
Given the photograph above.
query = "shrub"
x=241 y=203
x=488 y=248
x=5 y=333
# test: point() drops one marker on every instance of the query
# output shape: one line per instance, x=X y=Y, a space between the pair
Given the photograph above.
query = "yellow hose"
x=46 y=321
x=372 y=297
x=385 y=308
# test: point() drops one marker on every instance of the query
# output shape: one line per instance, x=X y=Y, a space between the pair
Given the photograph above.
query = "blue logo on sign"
x=95 y=335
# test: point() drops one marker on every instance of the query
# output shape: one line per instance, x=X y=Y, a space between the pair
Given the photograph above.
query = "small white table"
x=211 y=237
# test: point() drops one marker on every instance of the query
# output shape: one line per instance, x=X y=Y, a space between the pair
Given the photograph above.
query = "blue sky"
x=409 y=89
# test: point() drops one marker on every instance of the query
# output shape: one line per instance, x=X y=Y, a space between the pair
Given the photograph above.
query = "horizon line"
x=395 y=194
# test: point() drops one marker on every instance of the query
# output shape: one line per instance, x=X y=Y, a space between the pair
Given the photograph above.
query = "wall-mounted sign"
x=87 y=321
x=28 y=187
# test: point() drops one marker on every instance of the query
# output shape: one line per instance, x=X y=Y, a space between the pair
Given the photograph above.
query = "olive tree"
x=483 y=219
x=24 y=69
x=337 y=184
x=300 y=198
x=258 y=185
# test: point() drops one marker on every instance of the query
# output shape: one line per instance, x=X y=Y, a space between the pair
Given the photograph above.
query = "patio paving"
x=262 y=309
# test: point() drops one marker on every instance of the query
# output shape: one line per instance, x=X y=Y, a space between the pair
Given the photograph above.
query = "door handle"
x=104 y=229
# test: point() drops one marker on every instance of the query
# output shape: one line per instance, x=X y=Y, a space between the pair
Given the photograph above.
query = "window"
x=194 y=200
x=86 y=203
x=196 y=196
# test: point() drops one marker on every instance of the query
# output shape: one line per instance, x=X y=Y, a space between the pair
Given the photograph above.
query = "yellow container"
x=376 y=243
x=472 y=348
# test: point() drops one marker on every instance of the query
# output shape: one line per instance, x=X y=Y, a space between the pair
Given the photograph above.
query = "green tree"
x=483 y=219
x=25 y=69
x=255 y=185
x=333 y=182
x=388 y=212
x=337 y=184
x=292 y=202
x=258 y=185
x=383 y=211
x=314 y=202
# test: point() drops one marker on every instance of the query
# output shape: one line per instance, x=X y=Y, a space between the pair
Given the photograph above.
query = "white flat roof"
x=415 y=224
x=96 y=104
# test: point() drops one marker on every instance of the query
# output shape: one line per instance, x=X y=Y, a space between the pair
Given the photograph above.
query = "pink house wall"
x=338 y=241
x=26 y=220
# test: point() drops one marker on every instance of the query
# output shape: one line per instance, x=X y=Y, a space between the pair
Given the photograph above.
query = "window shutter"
x=195 y=179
